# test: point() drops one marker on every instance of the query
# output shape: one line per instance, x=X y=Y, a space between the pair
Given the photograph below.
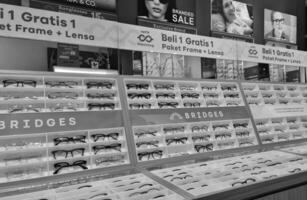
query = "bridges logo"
x=175 y=116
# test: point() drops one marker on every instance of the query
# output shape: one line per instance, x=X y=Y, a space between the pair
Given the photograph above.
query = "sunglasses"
x=152 y=154
x=98 y=148
x=136 y=86
x=68 y=84
x=229 y=88
x=164 y=86
x=79 y=163
x=108 y=136
x=99 y=85
x=182 y=140
x=65 y=153
x=231 y=96
x=165 y=95
x=19 y=83
x=203 y=148
x=147 y=144
x=220 y=127
x=242 y=134
x=190 y=95
x=139 y=96
x=140 y=106
x=161 y=1
x=101 y=106
x=240 y=125
x=109 y=96
x=145 y=133
x=63 y=95
x=168 y=104
x=67 y=140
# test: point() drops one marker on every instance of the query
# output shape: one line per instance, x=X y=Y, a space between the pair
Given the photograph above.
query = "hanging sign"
x=148 y=39
x=267 y=54
x=29 y=23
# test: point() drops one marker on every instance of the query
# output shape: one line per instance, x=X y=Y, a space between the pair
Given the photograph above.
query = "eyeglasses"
x=164 y=86
x=162 y=1
x=168 y=104
x=267 y=139
x=295 y=170
x=190 y=95
x=233 y=104
x=19 y=83
x=283 y=101
x=68 y=84
x=213 y=104
x=101 y=85
x=65 y=153
x=98 y=148
x=203 y=128
x=101 y=106
x=166 y=95
x=140 y=106
x=240 y=125
x=203 y=148
x=137 y=86
x=246 y=181
x=220 y=127
x=242 y=134
x=147 y=144
x=109 y=96
x=139 y=96
x=17 y=109
x=211 y=95
x=152 y=154
x=79 y=163
x=172 y=130
x=61 y=108
x=63 y=95
x=191 y=105
x=210 y=88
x=181 y=178
x=66 y=140
x=223 y=136
x=109 y=159
x=279 y=21
x=226 y=145
x=245 y=144
x=201 y=138
x=233 y=96
x=182 y=140
x=103 y=136
x=229 y=88
x=143 y=192
x=145 y=133
x=187 y=87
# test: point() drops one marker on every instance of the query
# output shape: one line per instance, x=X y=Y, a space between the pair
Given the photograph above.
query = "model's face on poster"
x=156 y=9
x=278 y=21
x=229 y=10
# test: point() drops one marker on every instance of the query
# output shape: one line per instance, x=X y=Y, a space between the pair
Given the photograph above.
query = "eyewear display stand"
x=119 y=137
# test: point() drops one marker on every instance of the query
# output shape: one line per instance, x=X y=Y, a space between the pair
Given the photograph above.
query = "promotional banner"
x=29 y=23
x=107 y=5
x=148 y=39
x=68 y=55
x=272 y=111
x=29 y=123
x=267 y=54
x=151 y=117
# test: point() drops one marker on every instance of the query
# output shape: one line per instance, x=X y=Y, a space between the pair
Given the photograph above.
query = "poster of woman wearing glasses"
x=170 y=11
x=279 y=26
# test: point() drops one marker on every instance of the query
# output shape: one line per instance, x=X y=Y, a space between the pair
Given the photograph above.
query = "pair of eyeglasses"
x=147 y=144
x=242 y=134
x=109 y=96
x=168 y=104
x=190 y=95
x=240 y=125
x=61 y=108
x=67 y=140
x=164 y=87
x=220 y=127
x=211 y=95
x=105 y=136
x=98 y=148
x=65 y=153
x=229 y=88
x=101 y=106
x=209 y=88
x=63 y=95
x=213 y=104
x=166 y=95
x=241 y=144
x=99 y=85
x=267 y=139
x=143 y=192
x=109 y=159
x=203 y=148
x=203 y=128
x=139 y=95
x=246 y=181
x=232 y=96
x=283 y=101
x=226 y=145
x=146 y=133
x=267 y=95
x=233 y=103
x=182 y=140
x=173 y=130
x=295 y=170
x=19 y=83
x=191 y=105
x=291 y=121
x=181 y=178
x=157 y=154
x=66 y=84
x=223 y=136
x=279 y=21
x=79 y=163
x=29 y=108
x=201 y=138
x=251 y=95
x=137 y=86
x=140 y=106
x=162 y=1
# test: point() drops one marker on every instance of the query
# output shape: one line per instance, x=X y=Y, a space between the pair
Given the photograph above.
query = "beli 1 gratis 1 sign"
x=22 y=22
